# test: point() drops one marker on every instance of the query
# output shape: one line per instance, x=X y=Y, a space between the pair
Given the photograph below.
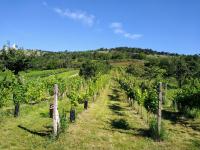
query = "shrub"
x=91 y=69
x=192 y=113
x=151 y=101
x=188 y=99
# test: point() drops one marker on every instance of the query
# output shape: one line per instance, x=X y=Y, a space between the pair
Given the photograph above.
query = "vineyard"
x=98 y=104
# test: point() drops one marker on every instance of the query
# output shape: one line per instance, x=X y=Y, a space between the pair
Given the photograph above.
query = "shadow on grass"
x=120 y=124
x=177 y=118
x=195 y=126
x=43 y=133
x=123 y=128
x=169 y=115
x=115 y=96
x=116 y=108
x=115 y=91
x=142 y=132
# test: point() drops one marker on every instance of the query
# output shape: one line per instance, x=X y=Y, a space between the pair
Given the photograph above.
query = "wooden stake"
x=56 y=119
x=164 y=93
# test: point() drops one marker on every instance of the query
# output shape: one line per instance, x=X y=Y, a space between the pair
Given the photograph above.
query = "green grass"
x=45 y=73
x=109 y=123
x=32 y=129
x=68 y=74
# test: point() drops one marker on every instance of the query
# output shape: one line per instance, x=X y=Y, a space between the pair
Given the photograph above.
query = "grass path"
x=111 y=124
x=108 y=124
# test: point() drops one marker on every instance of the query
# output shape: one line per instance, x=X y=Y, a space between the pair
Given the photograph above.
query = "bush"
x=151 y=101
x=188 y=99
x=135 y=69
x=192 y=113
x=7 y=80
x=91 y=69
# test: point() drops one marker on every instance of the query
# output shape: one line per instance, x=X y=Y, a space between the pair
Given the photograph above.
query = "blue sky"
x=163 y=25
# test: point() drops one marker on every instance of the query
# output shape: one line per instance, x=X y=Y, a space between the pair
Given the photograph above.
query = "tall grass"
x=153 y=130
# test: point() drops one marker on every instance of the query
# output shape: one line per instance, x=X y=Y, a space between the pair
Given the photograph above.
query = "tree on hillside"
x=91 y=69
x=16 y=61
x=88 y=70
x=182 y=71
x=136 y=69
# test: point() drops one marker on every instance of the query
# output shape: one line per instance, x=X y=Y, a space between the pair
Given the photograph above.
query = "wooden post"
x=164 y=93
x=56 y=119
x=159 y=108
x=72 y=115
x=51 y=110
x=131 y=102
x=86 y=104
x=16 y=112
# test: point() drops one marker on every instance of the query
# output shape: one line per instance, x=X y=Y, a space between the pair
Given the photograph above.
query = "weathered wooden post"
x=56 y=119
x=159 y=109
x=129 y=101
x=164 y=93
x=51 y=110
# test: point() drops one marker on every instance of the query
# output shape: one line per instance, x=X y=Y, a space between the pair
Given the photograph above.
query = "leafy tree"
x=141 y=56
x=91 y=69
x=16 y=61
x=155 y=72
x=88 y=70
x=136 y=69
x=181 y=71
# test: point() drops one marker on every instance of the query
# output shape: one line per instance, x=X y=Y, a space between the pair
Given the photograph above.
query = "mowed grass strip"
x=108 y=124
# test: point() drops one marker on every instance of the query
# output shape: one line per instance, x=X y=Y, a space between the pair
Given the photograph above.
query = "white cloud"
x=117 y=28
x=80 y=16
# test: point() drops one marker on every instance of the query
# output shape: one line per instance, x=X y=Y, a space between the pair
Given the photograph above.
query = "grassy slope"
x=32 y=130
x=46 y=73
x=109 y=123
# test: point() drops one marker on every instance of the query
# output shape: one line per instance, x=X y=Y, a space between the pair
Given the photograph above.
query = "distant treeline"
x=52 y=60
